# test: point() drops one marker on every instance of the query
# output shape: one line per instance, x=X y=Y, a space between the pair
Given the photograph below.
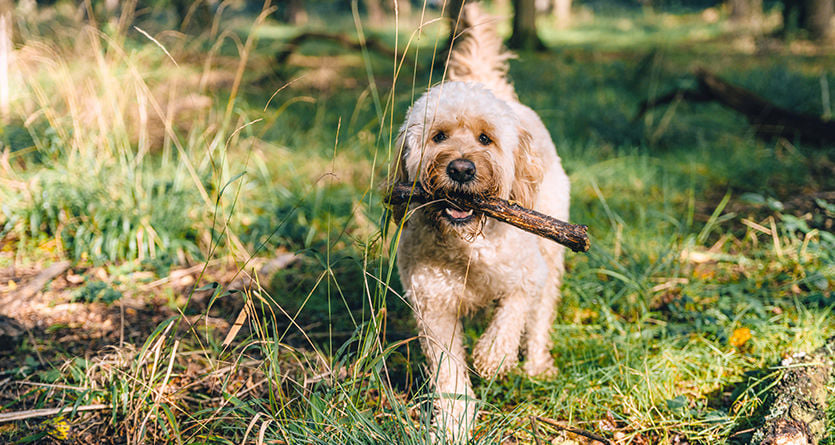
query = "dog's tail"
x=478 y=54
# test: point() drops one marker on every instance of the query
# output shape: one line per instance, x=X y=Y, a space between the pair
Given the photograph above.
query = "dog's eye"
x=439 y=137
x=484 y=139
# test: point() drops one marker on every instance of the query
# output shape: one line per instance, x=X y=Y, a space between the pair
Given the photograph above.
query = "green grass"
x=698 y=229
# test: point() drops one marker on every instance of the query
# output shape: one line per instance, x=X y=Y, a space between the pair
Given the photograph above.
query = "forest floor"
x=222 y=262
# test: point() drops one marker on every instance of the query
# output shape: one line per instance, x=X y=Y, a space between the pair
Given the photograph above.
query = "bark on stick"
x=573 y=236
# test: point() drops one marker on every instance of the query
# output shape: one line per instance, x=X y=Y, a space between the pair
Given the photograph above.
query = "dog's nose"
x=461 y=170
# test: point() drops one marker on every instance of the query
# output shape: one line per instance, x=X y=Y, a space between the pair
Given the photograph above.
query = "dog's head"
x=460 y=139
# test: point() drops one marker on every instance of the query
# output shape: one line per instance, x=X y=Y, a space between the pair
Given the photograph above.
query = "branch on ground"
x=797 y=411
x=296 y=42
x=769 y=120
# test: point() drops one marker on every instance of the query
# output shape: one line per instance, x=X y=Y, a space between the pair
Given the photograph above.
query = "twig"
x=559 y=425
x=46 y=412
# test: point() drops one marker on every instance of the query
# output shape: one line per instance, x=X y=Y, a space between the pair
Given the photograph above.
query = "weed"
x=96 y=291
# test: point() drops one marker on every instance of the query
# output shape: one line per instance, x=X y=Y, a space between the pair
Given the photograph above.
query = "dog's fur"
x=451 y=267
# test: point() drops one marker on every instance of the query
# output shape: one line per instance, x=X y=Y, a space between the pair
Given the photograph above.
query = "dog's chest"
x=491 y=268
x=469 y=273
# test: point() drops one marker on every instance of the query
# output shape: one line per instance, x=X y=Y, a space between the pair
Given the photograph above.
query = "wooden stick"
x=573 y=430
x=47 y=412
x=573 y=236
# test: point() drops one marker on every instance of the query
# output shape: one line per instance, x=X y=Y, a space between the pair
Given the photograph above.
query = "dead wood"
x=597 y=439
x=340 y=39
x=573 y=236
x=769 y=120
x=45 y=276
x=48 y=412
x=797 y=411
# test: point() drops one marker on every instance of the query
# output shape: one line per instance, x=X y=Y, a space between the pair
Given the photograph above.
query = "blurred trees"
x=814 y=17
x=746 y=11
x=194 y=14
x=292 y=11
x=561 y=9
x=452 y=9
x=524 y=35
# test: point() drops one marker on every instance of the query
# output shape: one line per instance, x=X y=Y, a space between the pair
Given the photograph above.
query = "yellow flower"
x=740 y=337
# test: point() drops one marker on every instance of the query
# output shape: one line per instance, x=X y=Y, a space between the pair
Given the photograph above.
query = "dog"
x=471 y=136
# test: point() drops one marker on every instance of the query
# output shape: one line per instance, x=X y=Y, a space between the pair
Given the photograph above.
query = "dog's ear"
x=397 y=173
x=527 y=173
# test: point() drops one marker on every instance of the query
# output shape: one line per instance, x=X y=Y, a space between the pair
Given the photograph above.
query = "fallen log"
x=42 y=279
x=769 y=120
x=797 y=411
x=573 y=236
x=340 y=39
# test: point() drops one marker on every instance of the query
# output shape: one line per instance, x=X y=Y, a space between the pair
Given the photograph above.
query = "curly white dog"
x=470 y=135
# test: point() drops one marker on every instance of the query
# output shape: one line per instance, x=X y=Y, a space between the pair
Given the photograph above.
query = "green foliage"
x=103 y=216
x=95 y=292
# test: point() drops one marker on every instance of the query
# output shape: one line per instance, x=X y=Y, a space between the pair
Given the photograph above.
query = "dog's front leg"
x=538 y=362
x=498 y=348
x=441 y=339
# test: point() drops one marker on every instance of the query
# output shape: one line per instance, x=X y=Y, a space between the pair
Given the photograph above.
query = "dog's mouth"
x=454 y=207
x=455 y=213
x=458 y=217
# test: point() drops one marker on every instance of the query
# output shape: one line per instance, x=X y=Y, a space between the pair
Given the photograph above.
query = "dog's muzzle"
x=461 y=170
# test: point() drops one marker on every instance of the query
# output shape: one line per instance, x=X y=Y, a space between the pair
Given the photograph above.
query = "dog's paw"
x=453 y=420
x=541 y=369
x=490 y=360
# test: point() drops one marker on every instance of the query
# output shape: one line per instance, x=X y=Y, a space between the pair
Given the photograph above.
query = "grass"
x=170 y=180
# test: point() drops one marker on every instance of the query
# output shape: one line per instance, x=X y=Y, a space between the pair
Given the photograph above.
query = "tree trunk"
x=194 y=15
x=404 y=7
x=374 y=11
x=746 y=11
x=814 y=17
x=292 y=11
x=818 y=19
x=524 y=27
x=562 y=11
x=452 y=11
